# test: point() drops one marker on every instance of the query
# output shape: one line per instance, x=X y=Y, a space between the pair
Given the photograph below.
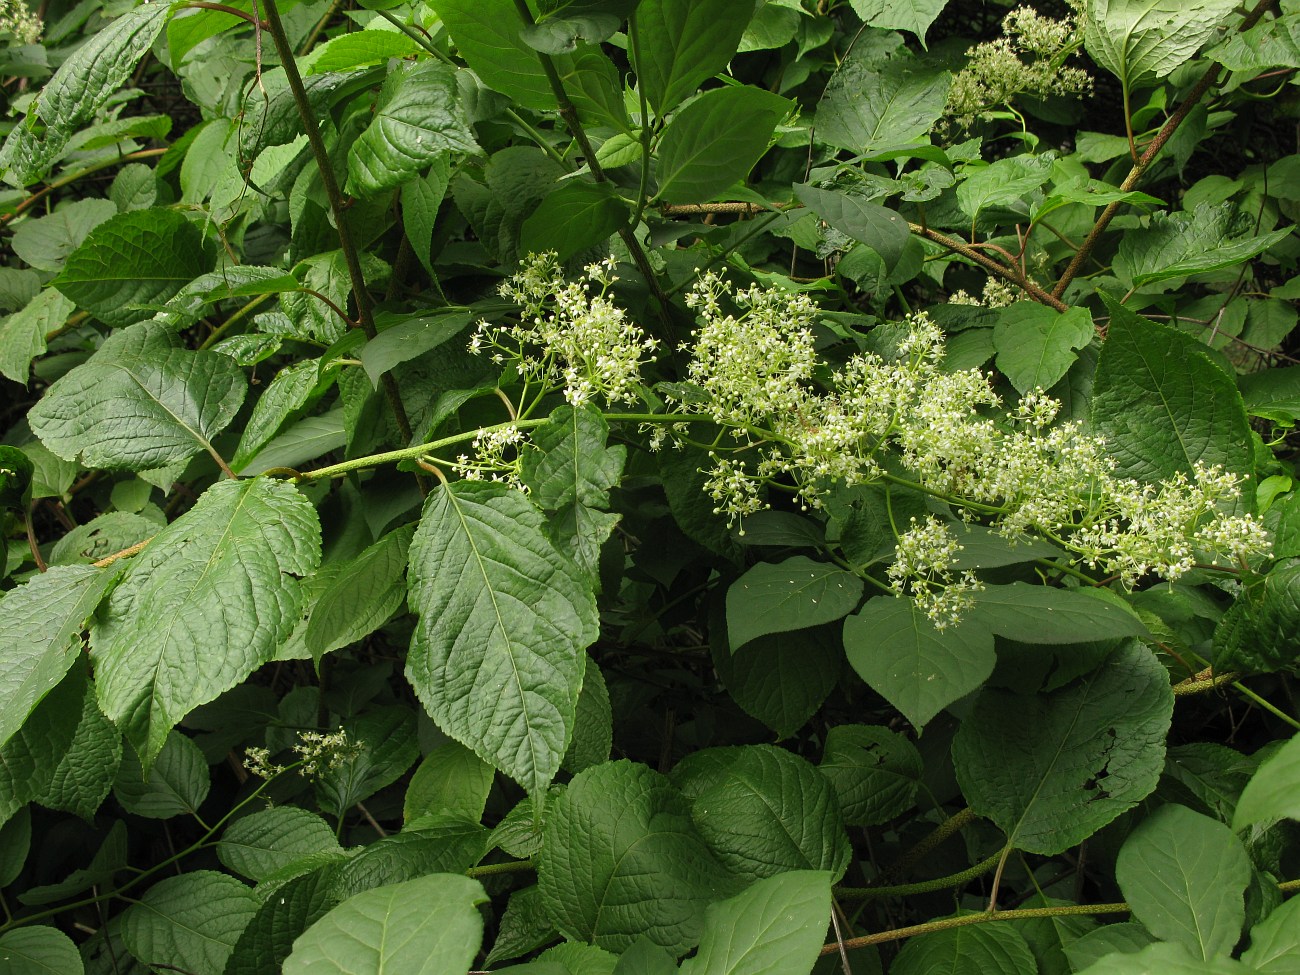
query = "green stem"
x=921 y=886
x=234 y=319
x=335 y=197
x=496 y=869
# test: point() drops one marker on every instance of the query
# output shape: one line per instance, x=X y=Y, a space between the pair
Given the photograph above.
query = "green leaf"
x=1165 y=958
x=1257 y=632
x=46 y=242
x=990 y=949
x=919 y=670
x=870 y=106
x=22 y=334
x=451 y=781
x=421 y=199
x=915 y=16
x=1005 y=183
x=713 y=143
x=384 y=746
x=621 y=858
x=143 y=401
x=131 y=262
x=362 y=596
x=305 y=440
x=1185 y=877
x=1275 y=941
x=525 y=927
x=774 y=597
x=1174 y=245
x=78 y=779
x=175 y=784
x=1138 y=40
x=108 y=860
x=1050 y=769
x=497 y=656
x=487 y=35
x=776 y=925
x=349 y=51
x=1041 y=614
x=440 y=845
x=203 y=606
x=37 y=949
x=1272 y=43
x=427 y=926
x=569 y=460
x=1036 y=344
x=682 y=43
x=593 y=723
x=268 y=938
x=285 y=394
x=875 y=772
x=763 y=810
x=781 y=679
x=269 y=840
x=16 y=473
x=192 y=920
x=573 y=218
x=38 y=623
x=1162 y=404
x=884 y=231
x=409 y=338
x=418 y=118
x=1273 y=792
x=90 y=76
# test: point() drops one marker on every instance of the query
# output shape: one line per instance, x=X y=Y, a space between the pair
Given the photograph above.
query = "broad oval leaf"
x=141 y=402
x=714 y=142
x=418 y=117
x=774 y=597
x=487 y=35
x=1273 y=792
x=22 y=334
x=267 y=841
x=1275 y=941
x=574 y=217
x=38 y=949
x=915 y=16
x=131 y=262
x=38 y=621
x=1185 y=876
x=870 y=106
x=450 y=781
x=427 y=926
x=919 y=670
x=1042 y=614
x=1052 y=769
x=192 y=920
x=361 y=596
x=776 y=925
x=497 y=655
x=621 y=858
x=1036 y=343
x=782 y=679
x=681 y=43
x=207 y=602
x=176 y=783
x=990 y=949
x=884 y=231
x=875 y=772
x=1175 y=245
x=1139 y=39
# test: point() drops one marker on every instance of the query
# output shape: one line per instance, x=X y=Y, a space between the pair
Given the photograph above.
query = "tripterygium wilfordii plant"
x=786 y=420
x=317 y=752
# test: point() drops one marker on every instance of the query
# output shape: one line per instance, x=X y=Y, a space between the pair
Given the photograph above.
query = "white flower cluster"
x=1029 y=58
x=317 y=752
x=923 y=570
x=569 y=338
x=496 y=456
x=997 y=294
x=18 y=20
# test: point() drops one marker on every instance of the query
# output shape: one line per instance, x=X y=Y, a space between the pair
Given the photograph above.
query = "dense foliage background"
x=599 y=486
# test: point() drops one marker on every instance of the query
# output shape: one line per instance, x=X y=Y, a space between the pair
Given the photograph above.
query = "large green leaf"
x=875 y=772
x=427 y=926
x=884 y=231
x=774 y=597
x=22 y=334
x=680 y=43
x=573 y=218
x=915 y=16
x=1052 y=769
x=569 y=461
x=1272 y=43
x=1041 y=614
x=362 y=596
x=143 y=401
x=268 y=938
x=919 y=670
x=781 y=679
x=203 y=606
x=131 y=262
x=497 y=656
x=286 y=393
x=1185 y=877
x=262 y=843
x=1165 y=958
x=870 y=106
x=593 y=723
x=1273 y=792
x=410 y=337
x=438 y=845
x=176 y=783
x=487 y=36
x=776 y=925
x=1137 y=40
x=714 y=142
x=764 y=810
x=1007 y=182
x=1257 y=633
x=83 y=84
x=1162 y=404
x=621 y=858
x=1275 y=941
x=450 y=781
x=990 y=949
x=38 y=623
x=1036 y=344
x=347 y=51
x=36 y=950
x=418 y=118
x=1175 y=245
x=192 y=920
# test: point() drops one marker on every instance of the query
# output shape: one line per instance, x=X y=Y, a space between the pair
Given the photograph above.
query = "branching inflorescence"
x=786 y=419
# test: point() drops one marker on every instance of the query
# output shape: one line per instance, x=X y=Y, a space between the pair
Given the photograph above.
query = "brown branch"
x=233 y=11
x=1148 y=156
x=990 y=265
